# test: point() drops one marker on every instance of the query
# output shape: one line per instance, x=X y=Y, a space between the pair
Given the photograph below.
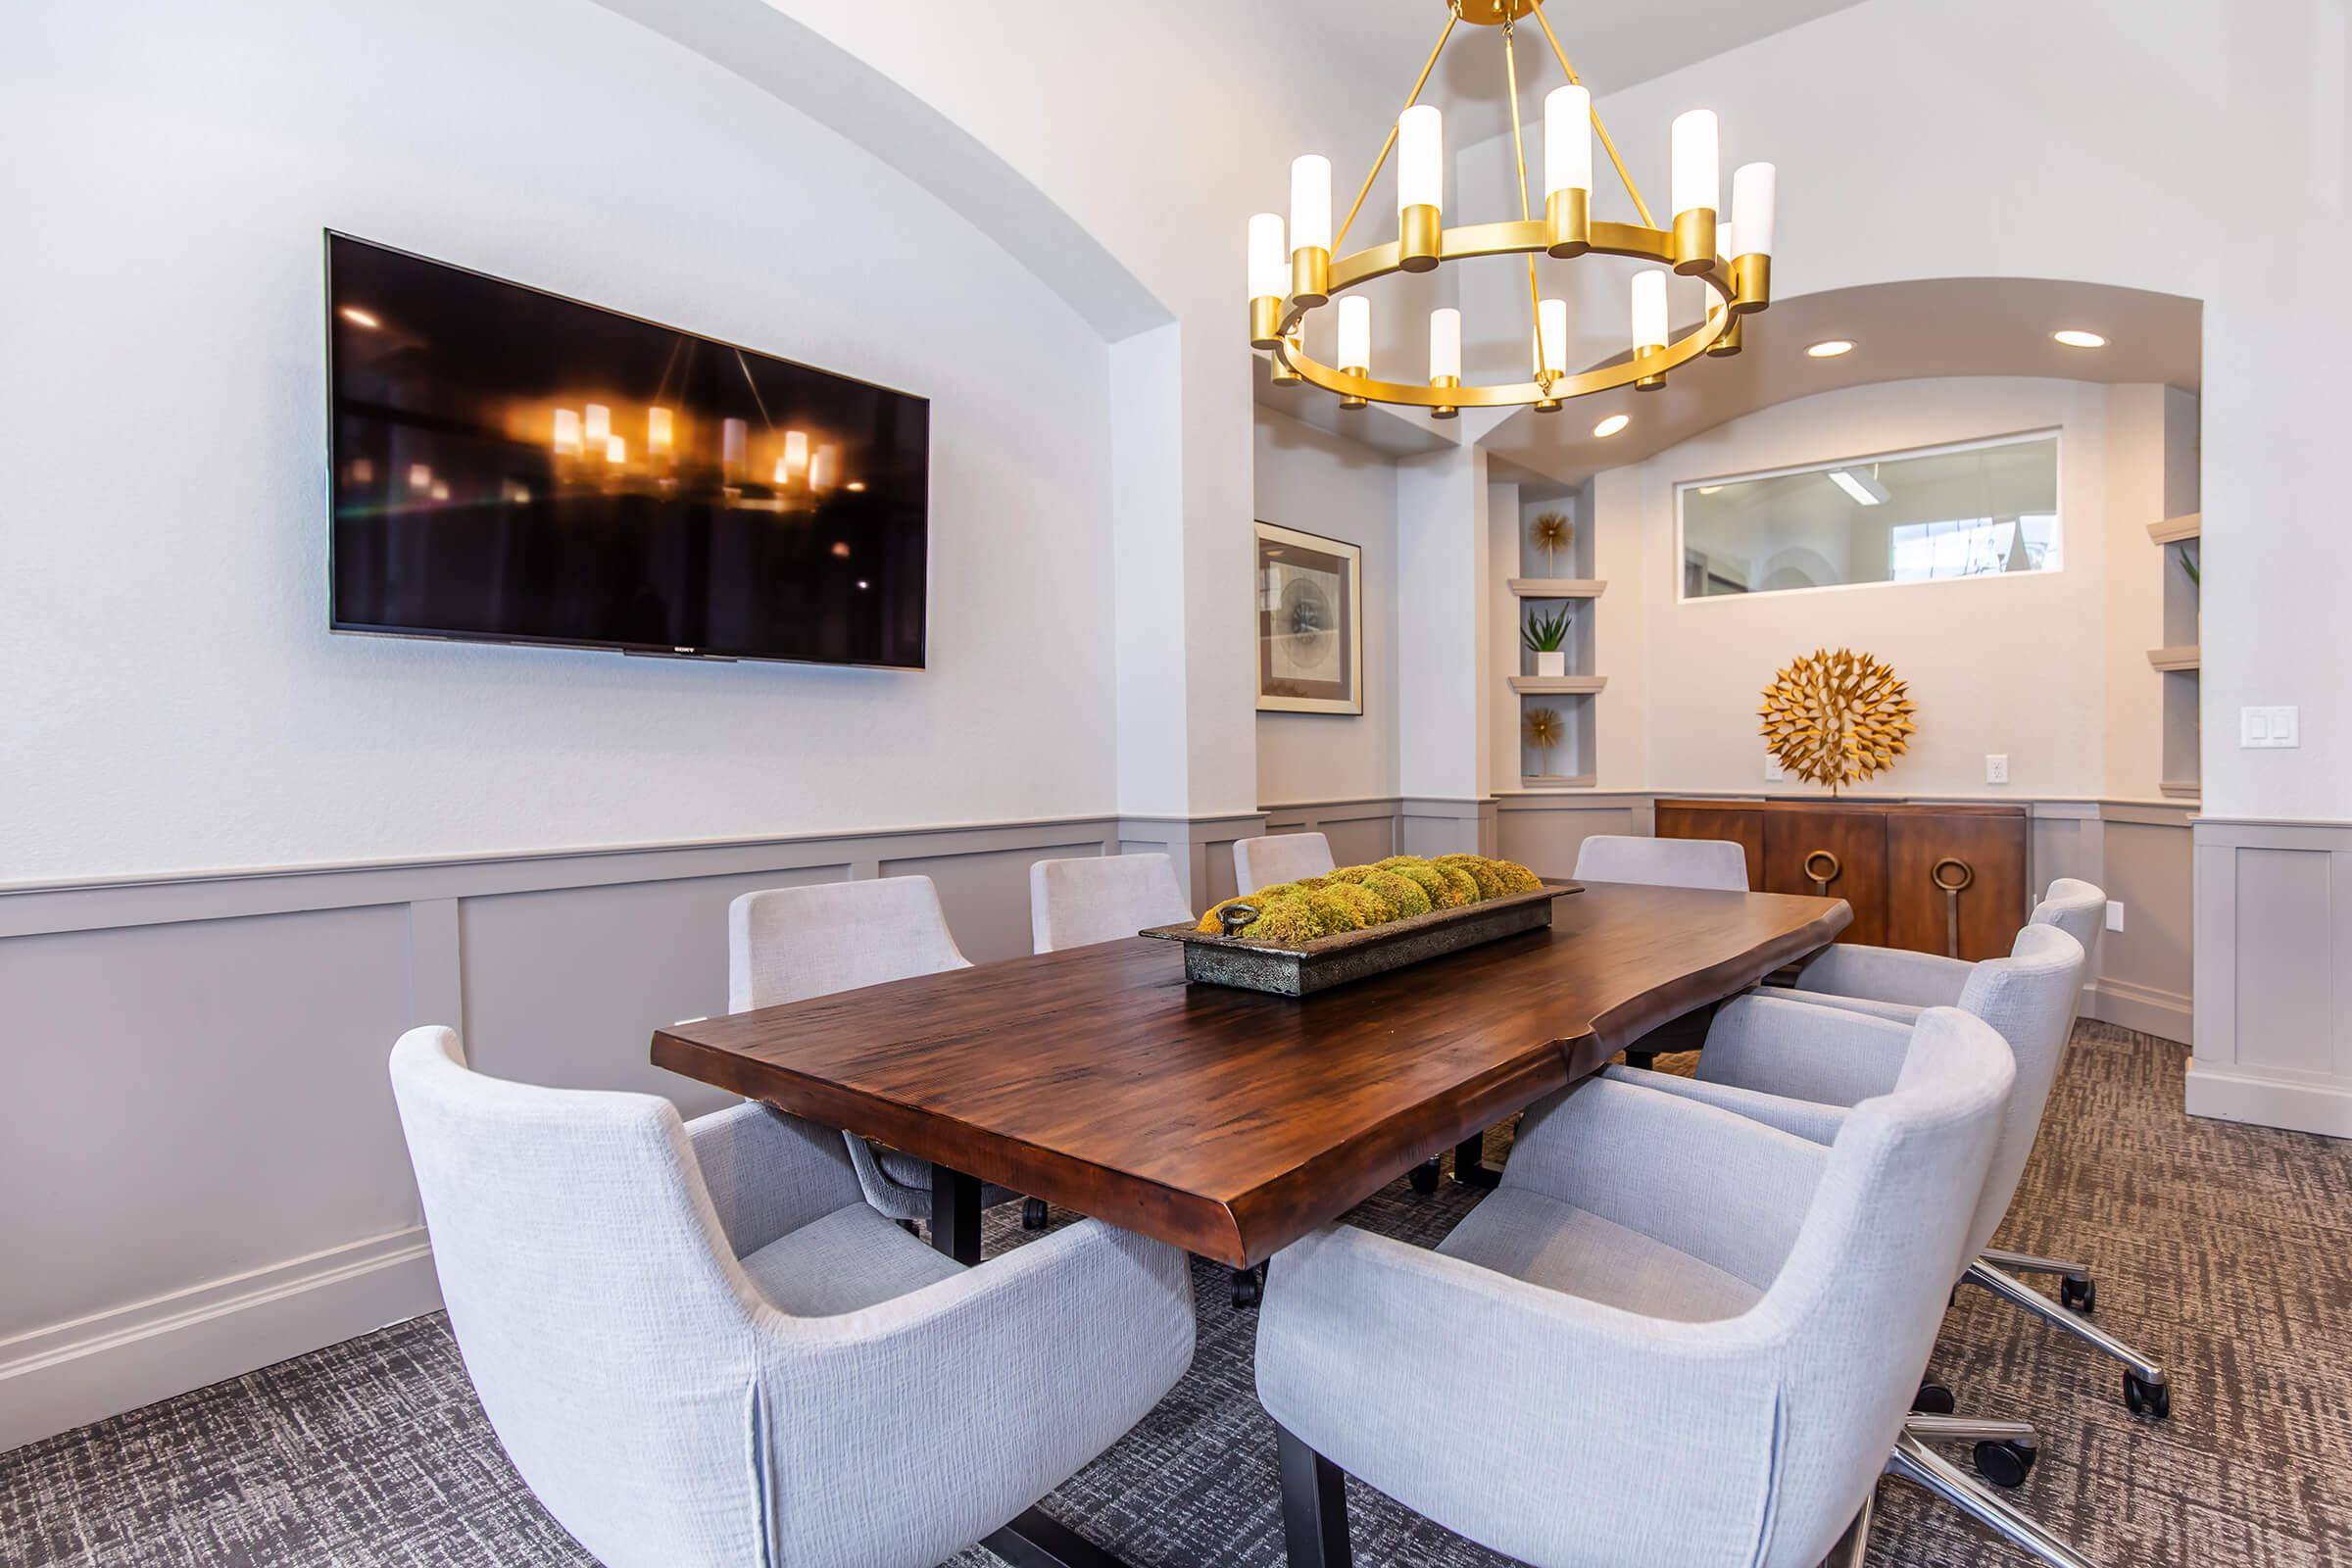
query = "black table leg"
x=1314 y=1505
x=1470 y=1165
x=1036 y=1540
x=956 y=1214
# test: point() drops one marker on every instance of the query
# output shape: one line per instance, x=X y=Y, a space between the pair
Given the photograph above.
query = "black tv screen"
x=513 y=467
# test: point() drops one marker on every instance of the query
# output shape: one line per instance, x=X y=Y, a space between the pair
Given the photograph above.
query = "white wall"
x=1325 y=484
x=2014 y=665
x=164 y=652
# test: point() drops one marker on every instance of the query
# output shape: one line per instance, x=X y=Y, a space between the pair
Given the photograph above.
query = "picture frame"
x=1310 y=623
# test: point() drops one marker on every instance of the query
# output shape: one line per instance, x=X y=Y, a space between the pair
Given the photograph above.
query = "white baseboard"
x=2166 y=1015
x=2297 y=1106
x=65 y=1375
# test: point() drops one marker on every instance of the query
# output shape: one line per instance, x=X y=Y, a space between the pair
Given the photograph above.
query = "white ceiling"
x=1612 y=46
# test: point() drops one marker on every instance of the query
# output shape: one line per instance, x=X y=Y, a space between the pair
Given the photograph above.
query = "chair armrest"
x=924 y=1423
x=1886 y=974
x=769 y=1173
x=1803 y=1118
x=1803 y=1049
x=1705 y=1181
x=1643 y=1440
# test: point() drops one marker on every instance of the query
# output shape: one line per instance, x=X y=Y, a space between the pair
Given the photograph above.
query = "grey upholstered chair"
x=791 y=944
x=1893 y=984
x=1279 y=858
x=1663 y=862
x=699 y=1346
x=1701 y=1333
x=1100 y=898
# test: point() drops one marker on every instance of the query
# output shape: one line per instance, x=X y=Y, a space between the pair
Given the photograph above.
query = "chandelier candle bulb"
x=1698 y=190
x=1445 y=357
x=1755 y=189
x=1269 y=276
x=599 y=425
x=660 y=434
x=1650 y=323
x=1551 y=321
x=616 y=449
x=1355 y=342
x=796 y=451
x=568 y=432
x=1310 y=231
x=1567 y=140
x=733 y=437
x=824 y=469
x=1421 y=156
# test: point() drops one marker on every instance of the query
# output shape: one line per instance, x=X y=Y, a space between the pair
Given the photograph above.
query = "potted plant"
x=1544 y=634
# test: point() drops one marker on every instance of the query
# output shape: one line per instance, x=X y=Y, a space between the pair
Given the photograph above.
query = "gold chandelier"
x=1733 y=258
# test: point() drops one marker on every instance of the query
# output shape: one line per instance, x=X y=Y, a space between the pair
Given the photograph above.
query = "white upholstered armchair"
x=1700 y=1334
x=700 y=1345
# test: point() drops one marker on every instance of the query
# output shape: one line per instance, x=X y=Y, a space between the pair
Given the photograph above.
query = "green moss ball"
x=1335 y=911
x=1402 y=895
x=1465 y=887
x=1368 y=907
x=1290 y=923
x=1488 y=874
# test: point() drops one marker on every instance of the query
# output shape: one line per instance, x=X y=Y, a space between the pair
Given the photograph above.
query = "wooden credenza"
x=1894 y=861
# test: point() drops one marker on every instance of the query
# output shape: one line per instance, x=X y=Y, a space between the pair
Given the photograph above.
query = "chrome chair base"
x=2145 y=1388
x=1913 y=1462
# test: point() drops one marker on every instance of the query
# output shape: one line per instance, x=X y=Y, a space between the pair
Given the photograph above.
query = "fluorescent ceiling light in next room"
x=1863 y=487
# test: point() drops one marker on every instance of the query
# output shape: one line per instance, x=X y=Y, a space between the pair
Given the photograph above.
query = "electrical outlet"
x=1773 y=769
x=1996 y=767
x=2115 y=914
x=2263 y=728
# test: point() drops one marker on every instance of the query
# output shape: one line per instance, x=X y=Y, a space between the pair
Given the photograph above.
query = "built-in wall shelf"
x=1562 y=685
x=2174 y=658
x=1558 y=587
x=2180 y=789
x=1556 y=781
x=2177 y=530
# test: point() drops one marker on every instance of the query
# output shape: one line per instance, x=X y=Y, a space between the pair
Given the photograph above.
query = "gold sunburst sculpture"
x=1544 y=732
x=1836 y=718
x=1548 y=533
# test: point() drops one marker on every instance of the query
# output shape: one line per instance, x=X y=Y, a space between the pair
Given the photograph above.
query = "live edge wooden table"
x=1229 y=1122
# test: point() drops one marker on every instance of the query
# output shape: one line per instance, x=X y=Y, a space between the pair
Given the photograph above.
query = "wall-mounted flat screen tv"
x=516 y=467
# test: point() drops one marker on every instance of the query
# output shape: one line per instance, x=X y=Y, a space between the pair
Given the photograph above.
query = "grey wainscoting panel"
x=1359 y=831
x=2274 y=1022
x=2146 y=971
x=986 y=893
x=1200 y=847
x=566 y=986
x=1429 y=826
x=1544 y=832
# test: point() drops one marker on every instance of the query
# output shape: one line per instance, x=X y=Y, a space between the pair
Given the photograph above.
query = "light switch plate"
x=1996 y=767
x=2115 y=914
x=1773 y=769
x=2267 y=728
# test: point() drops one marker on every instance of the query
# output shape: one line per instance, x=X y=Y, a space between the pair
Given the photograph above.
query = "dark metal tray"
x=1327 y=962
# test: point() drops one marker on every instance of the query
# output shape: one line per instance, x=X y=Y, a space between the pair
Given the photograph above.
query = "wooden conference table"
x=1229 y=1122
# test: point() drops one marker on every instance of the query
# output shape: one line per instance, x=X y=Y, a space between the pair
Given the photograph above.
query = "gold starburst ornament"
x=1836 y=718
x=1549 y=531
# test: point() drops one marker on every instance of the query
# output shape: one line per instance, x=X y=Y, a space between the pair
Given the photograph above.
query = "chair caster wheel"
x=1425 y=1177
x=2078 y=1296
x=1033 y=1213
x=2151 y=1399
x=1932 y=1398
x=1248 y=1286
x=2007 y=1463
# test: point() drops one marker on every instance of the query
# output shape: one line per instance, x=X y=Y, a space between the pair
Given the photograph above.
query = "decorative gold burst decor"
x=1548 y=533
x=1836 y=718
x=1544 y=732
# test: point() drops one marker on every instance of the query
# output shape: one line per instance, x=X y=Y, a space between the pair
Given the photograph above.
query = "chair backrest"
x=1663 y=862
x=791 y=944
x=1100 y=898
x=1280 y=858
x=2029 y=999
x=602 y=1319
x=2080 y=910
x=1857 y=1304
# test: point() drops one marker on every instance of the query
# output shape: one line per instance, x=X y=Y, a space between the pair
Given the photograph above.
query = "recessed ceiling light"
x=1612 y=424
x=358 y=317
x=2074 y=337
x=1831 y=349
x=862 y=583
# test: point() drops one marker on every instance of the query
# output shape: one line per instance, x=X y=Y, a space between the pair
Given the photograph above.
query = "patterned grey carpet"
x=2226 y=1251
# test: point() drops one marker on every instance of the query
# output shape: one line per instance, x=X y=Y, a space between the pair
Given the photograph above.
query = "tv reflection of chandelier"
x=1732 y=259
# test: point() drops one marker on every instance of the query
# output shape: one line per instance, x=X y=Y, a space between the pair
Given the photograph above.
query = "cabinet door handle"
x=1953 y=886
x=1820 y=879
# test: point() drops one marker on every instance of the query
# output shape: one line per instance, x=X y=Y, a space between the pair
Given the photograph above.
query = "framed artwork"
x=1310 y=623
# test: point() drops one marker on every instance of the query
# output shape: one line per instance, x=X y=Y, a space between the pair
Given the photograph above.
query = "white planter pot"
x=1551 y=665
